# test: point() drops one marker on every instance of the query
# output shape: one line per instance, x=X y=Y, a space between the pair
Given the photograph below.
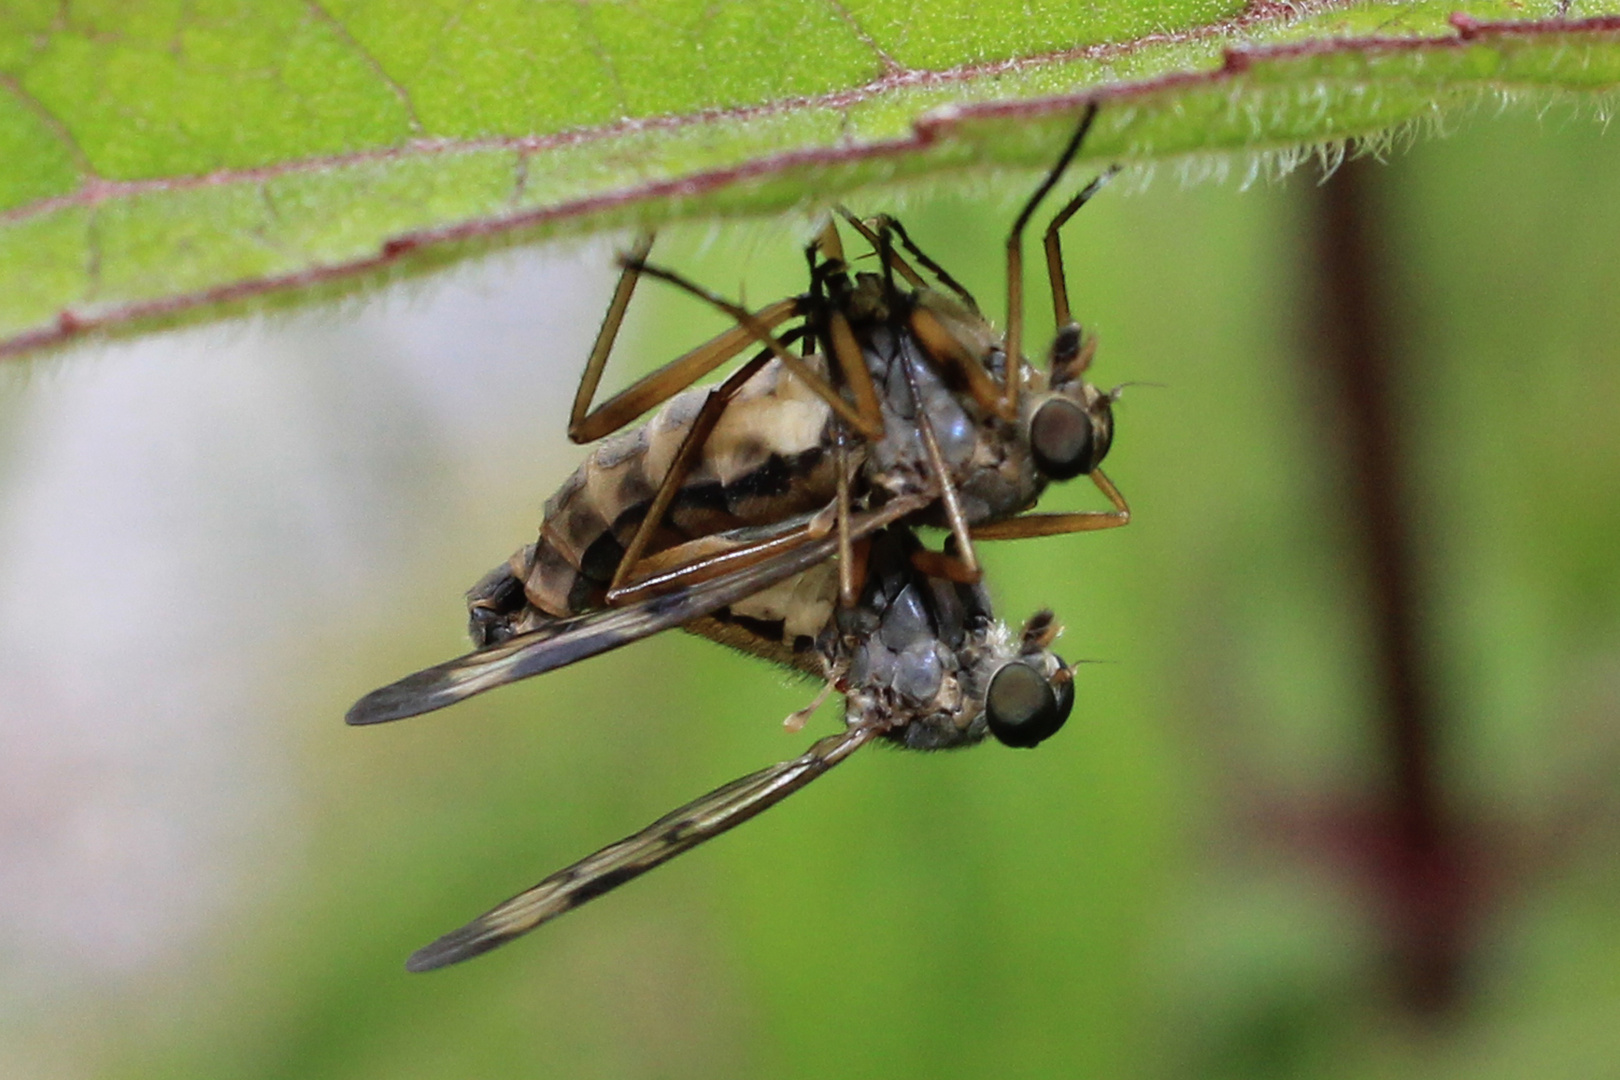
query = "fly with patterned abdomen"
x=922 y=664
x=902 y=406
x=748 y=513
x=904 y=383
x=766 y=459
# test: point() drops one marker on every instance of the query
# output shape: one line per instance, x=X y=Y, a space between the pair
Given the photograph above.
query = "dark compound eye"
x=1067 y=440
x=1024 y=707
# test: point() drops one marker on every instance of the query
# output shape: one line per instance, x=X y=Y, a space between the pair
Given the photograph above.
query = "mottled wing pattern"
x=697 y=821
x=550 y=647
x=567 y=640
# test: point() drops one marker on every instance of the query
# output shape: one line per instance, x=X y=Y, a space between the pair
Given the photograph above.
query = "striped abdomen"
x=768 y=459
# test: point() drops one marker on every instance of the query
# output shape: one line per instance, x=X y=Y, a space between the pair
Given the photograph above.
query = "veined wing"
x=567 y=640
x=697 y=821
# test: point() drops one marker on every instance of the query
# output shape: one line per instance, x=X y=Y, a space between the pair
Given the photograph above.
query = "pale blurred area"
x=213 y=541
x=181 y=517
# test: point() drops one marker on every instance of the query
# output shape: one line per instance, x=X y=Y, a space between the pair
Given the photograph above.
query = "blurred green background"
x=1118 y=903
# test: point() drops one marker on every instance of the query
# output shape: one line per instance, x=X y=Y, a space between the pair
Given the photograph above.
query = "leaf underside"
x=165 y=162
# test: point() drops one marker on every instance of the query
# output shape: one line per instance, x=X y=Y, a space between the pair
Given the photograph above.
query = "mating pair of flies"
x=774 y=512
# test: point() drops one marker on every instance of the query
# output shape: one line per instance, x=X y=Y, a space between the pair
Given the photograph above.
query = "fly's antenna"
x=1119 y=391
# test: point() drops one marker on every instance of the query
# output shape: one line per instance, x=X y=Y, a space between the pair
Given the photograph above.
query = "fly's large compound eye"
x=1024 y=707
x=1067 y=440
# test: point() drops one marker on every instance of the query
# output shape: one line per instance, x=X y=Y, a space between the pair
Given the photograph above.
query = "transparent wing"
x=682 y=830
x=567 y=640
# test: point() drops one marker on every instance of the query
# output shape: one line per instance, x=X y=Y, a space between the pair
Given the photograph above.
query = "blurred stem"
x=1416 y=863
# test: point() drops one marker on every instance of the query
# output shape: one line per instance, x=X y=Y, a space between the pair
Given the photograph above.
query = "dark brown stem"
x=1417 y=862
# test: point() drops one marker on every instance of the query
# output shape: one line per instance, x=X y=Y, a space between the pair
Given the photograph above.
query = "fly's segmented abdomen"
x=769 y=458
x=766 y=460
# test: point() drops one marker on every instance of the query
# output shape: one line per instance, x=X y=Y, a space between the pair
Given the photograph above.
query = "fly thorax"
x=919 y=673
x=953 y=719
x=909 y=658
x=916 y=693
x=898 y=462
x=959 y=717
x=910 y=682
x=946 y=409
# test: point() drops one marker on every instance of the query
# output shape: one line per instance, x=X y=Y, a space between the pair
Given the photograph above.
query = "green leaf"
x=165 y=161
